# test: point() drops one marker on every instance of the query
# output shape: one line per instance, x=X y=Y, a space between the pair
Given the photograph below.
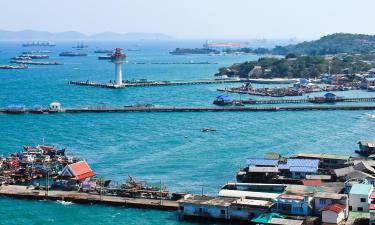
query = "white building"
x=55 y=106
x=359 y=197
x=334 y=214
x=323 y=199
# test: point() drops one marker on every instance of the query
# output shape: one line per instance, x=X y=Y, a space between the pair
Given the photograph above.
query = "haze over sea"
x=153 y=146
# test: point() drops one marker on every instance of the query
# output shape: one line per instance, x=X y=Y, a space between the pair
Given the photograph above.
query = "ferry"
x=38 y=44
x=73 y=54
x=21 y=58
x=36 y=52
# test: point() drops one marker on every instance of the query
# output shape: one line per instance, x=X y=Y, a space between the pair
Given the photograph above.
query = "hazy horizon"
x=193 y=19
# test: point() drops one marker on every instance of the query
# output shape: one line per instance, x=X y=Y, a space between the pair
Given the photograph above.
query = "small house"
x=291 y=204
x=359 y=197
x=327 y=161
x=73 y=175
x=323 y=199
x=334 y=214
x=55 y=106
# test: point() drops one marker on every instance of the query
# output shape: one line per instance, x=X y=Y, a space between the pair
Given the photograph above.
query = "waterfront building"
x=323 y=199
x=299 y=168
x=55 y=106
x=73 y=175
x=222 y=207
x=327 y=161
x=359 y=197
x=293 y=204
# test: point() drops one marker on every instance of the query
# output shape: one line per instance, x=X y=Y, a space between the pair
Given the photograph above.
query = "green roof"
x=361 y=189
x=265 y=218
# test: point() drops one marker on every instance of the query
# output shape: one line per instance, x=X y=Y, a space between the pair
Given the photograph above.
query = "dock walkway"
x=304 y=100
x=196 y=109
x=153 y=83
x=16 y=191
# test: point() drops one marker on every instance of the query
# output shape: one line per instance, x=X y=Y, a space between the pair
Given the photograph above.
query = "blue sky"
x=186 y=19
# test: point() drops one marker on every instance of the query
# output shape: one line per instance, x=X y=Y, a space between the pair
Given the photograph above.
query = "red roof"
x=312 y=182
x=81 y=170
x=372 y=206
x=372 y=194
x=335 y=207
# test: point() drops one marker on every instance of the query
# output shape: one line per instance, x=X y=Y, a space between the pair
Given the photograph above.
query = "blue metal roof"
x=305 y=169
x=314 y=163
x=361 y=189
x=262 y=162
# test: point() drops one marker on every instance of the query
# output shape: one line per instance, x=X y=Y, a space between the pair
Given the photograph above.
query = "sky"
x=193 y=19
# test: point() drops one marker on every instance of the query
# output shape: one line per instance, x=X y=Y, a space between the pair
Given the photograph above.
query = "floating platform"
x=154 y=83
x=17 y=191
x=154 y=109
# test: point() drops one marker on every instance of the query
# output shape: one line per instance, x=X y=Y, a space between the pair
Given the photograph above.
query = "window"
x=223 y=211
x=360 y=209
x=363 y=200
x=181 y=208
x=350 y=208
x=322 y=201
x=200 y=210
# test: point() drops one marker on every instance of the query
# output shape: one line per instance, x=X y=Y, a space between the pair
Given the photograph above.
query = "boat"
x=21 y=58
x=35 y=56
x=105 y=57
x=36 y=62
x=39 y=44
x=371 y=89
x=62 y=202
x=207 y=129
x=104 y=51
x=222 y=100
x=10 y=67
x=36 y=52
x=70 y=53
x=80 y=45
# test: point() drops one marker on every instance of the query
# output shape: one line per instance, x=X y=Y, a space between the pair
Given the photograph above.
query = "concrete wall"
x=355 y=202
x=332 y=217
x=203 y=211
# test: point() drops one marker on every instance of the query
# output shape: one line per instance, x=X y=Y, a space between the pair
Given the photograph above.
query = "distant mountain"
x=331 y=44
x=31 y=35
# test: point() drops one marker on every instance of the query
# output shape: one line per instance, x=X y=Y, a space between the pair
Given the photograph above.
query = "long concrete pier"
x=303 y=100
x=16 y=191
x=194 y=109
x=155 y=83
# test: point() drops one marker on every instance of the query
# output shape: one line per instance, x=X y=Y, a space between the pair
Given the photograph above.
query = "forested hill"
x=331 y=44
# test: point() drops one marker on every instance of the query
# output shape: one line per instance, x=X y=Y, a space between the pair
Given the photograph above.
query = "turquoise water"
x=153 y=146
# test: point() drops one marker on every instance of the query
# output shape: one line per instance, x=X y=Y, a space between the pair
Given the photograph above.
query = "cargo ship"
x=35 y=62
x=35 y=56
x=73 y=54
x=39 y=44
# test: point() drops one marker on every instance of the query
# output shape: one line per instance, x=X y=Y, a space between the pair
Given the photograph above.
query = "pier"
x=23 y=192
x=304 y=100
x=154 y=109
x=152 y=83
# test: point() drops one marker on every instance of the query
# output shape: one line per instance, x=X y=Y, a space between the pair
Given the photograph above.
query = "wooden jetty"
x=197 y=109
x=17 y=191
x=154 y=83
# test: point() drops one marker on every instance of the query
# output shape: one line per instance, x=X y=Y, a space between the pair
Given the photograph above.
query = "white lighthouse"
x=118 y=59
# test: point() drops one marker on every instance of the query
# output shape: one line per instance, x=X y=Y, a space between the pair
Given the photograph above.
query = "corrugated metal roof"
x=249 y=194
x=335 y=207
x=322 y=156
x=305 y=169
x=361 y=189
x=261 y=162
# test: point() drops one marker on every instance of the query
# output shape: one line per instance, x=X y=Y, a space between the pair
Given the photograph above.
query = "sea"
x=153 y=147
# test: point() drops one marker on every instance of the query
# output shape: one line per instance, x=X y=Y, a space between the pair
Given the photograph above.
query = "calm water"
x=153 y=146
